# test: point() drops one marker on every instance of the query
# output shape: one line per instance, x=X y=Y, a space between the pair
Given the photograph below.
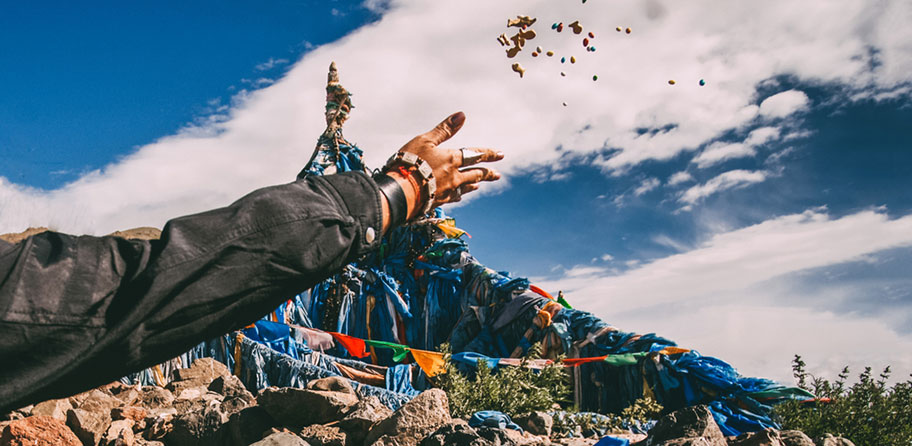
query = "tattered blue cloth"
x=493 y=418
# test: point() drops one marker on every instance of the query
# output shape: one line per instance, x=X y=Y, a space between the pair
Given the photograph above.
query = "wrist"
x=394 y=199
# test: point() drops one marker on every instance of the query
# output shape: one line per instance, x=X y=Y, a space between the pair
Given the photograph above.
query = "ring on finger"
x=470 y=157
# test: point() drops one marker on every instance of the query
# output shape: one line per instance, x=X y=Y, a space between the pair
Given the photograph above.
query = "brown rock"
x=200 y=373
x=537 y=423
x=18 y=414
x=830 y=440
x=90 y=427
x=302 y=407
x=198 y=427
x=18 y=237
x=685 y=426
x=152 y=397
x=38 y=430
x=795 y=438
x=766 y=437
x=332 y=384
x=281 y=439
x=120 y=433
x=136 y=414
x=457 y=433
x=319 y=434
x=159 y=425
x=413 y=421
x=363 y=416
x=98 y=401
x=236 y=396
x=247 y=426
x=53 y=408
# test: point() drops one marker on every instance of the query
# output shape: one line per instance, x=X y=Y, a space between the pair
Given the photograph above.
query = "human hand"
x=451 y=168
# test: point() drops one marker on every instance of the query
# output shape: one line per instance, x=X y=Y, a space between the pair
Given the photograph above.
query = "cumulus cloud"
x=719 y=152
x=728 y=180
x=270 y=64
x=729 y=297
x=680 y=177
x=646 y=185
x=783 y=104
x=419 y=63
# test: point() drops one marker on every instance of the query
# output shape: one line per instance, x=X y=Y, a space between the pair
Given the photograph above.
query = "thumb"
x=447 y=128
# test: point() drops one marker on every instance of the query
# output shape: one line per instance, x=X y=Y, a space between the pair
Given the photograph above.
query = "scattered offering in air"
x=550 y=53
x=572 y=59
x=538 y=49
x=519 y=69
x=563 y=59
x=586 y=42
x=619 y=29
x=591 y=35
x=563 y=74
x=595 y=77
x=629 y=30
x=702 y=82
x=577 y=28
x=671 y=82
x=564 y=103
x=592 y=48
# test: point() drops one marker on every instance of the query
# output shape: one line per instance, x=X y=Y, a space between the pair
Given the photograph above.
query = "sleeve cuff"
x=361 y=197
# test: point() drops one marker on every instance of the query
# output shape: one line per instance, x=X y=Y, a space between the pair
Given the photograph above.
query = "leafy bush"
x=511 y=390
x=587 y=424
x=869 y=412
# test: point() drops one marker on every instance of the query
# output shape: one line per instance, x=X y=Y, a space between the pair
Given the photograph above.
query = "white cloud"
x=607 y=257
x=680 y=177
x=719 y=152
x=783 y=104
x=720 y=297
x=422 y=61
x=270 y=64
x=762 y=135
x=646 y=186
x=728 y=180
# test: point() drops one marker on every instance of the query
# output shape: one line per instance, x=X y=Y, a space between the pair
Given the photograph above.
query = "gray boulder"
x=536 y=423
x=332 y=384
x=413 y=421
x=301 y=407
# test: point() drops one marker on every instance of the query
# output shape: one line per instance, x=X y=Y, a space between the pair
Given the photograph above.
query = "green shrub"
x=869 y=412
x=511 y=390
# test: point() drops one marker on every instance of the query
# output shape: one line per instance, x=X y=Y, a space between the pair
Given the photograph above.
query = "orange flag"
x=431 y=362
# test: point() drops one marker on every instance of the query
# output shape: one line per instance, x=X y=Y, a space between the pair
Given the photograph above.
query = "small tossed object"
x=671 y=82
x=534 y=54
x=591 y=35
x=504 y=41
x=554 y=25
x=572 y=59
x=563 y=59
x=594 y=77
x=550 y=53
x=560 y=27
x=564 y=104
x=563 y=74
x=577 y=28
x=592 y=48
x=519 y=69
x=619 y=29
x=628 y=30
x=520 y=21
x=702 y=82
x=586 y=42
x=538 y=49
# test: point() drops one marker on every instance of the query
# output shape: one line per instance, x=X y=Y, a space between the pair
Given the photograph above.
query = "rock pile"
x=205 y=405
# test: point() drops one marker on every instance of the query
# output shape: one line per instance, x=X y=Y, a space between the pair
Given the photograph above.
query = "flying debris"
x=563 y=74
x=560 y=27
x=519 y=69
x=671 y=82
x=563 y=59
x=577 y=28
x=619 y=29
x=504 y=41
x=550 y=53
x=702 y=82
x=572 y=59
x=586 y=42
x=592 y=48
x=628 y=30
x=521 y=21
x=591 y=35
x=539 y=50
x=564 y=104
x=594 y=77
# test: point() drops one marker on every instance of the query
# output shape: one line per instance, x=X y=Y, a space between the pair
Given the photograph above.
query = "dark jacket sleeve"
x=78 y=312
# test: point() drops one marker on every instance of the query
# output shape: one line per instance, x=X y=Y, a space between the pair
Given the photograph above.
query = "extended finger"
x=473 y=155
x=446 y=129
x=468 y=187
x=478 y=174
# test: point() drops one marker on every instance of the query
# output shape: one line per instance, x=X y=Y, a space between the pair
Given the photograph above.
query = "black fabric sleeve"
x=78 y=312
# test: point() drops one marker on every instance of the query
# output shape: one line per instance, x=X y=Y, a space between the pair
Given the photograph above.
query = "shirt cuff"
x=361 y=197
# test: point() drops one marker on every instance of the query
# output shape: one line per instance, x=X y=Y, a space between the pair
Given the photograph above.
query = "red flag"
x=355 y=346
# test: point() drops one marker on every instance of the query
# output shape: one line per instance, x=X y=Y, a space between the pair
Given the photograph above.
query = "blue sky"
x=764 y=214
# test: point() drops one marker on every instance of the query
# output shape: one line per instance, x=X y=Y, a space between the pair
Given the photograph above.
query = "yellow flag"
x=431 y=362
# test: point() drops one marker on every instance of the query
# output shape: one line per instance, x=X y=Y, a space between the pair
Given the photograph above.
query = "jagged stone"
x=128 y=395
x=455 y=434
x=18 y=414
x=236 y=396
x=766 y=437
x=363 y=416
x=319 y=434
x=281 y=439
x=153 y=397
x=89 y=426
x=38 y=430
x=96 y=400
x=332 y=384
x=413 y=421
x=196 y=398
x=247 y=426
x=795 y=438
x=120 y=433
x=133 y=413
x=830 y=440
x=200 y=374
x=198 y=427
x=158 y=424
x=510 y=437
x=577 y=442
x=301 y=407
x=140 y=441
x=689 y=423
x=53 y=408
x=536 y=423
